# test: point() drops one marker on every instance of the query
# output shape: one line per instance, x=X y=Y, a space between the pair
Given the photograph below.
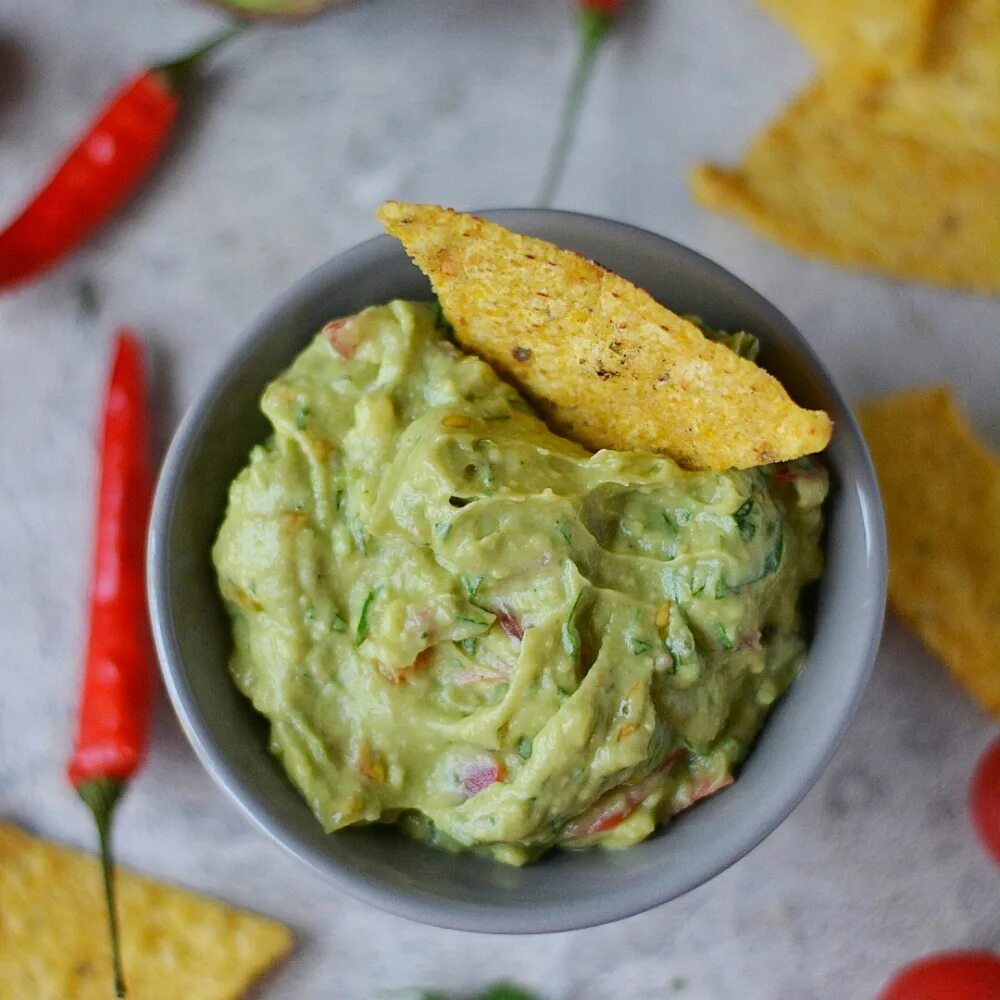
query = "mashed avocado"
x=459 y=622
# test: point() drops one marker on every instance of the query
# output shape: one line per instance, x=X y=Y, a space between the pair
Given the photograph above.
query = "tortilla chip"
x=934 y=108
x=953 y=97
x=607 y=365
x=941 y=491
x=926 y=69
x=959 y=91
x=826 y=180
x=965 y=44
x=54 y=937
x=892 y=33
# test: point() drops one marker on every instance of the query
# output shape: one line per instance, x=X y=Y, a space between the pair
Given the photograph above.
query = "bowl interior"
x=566 y=890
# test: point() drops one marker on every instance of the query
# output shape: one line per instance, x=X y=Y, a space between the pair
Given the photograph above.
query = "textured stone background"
x=299 y=134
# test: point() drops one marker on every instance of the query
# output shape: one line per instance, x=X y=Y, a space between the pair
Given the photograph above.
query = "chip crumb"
x=941 y=492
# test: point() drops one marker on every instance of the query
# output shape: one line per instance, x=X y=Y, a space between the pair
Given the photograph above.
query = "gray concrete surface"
x=299 y=133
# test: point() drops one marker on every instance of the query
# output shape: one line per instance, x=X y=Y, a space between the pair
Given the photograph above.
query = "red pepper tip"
x=605 y=6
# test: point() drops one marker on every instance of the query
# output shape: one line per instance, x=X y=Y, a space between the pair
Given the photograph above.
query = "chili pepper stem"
x=594 y=26
x=181 y=72
x=101 y=795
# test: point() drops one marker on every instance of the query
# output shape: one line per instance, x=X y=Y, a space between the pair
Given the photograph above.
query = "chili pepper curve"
x=118 y=667
x=594 y=20
x=105 y=166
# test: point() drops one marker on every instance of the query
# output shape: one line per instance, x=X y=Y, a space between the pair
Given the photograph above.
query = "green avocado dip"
x=462 y=623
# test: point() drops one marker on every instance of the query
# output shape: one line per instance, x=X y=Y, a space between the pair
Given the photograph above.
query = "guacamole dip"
x=459 y=622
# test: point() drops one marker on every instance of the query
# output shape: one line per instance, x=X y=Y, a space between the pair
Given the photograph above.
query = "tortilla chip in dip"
x=606 y=364
x=54 y=936
x=941 y=491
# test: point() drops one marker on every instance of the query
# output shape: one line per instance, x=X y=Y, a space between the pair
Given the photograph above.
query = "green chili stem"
x=101 y=795
x=180 y=73
x=594 y=26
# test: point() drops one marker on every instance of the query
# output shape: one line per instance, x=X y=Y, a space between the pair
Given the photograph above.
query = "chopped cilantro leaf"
x=361 y=632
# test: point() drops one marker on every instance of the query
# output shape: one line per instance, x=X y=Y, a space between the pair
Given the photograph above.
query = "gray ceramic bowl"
x=566 y=890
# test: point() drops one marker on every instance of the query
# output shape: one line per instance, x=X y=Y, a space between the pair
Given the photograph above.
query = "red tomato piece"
x=785 y=476
x=509 y=623
x=956 y=975
x=619 y=804
x=400 y=675
x=342 y=335
x=703 y=789
x=984 y=799
x=609 y=820
x=480 y=773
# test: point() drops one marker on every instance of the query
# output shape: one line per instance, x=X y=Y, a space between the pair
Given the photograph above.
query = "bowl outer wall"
x=567 y=890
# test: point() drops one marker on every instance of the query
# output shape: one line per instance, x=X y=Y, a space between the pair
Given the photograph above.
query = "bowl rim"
x=479 y=917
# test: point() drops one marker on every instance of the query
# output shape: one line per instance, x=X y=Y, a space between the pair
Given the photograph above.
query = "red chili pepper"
x=118 y=668
x=102 y=170
x=984 y=799
x=957 y=975
x=604 y=6
x=594 y=18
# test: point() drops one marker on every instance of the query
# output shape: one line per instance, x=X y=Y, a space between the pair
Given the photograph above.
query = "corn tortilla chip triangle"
x=958 y=90
x=607 y=365
x=941 y=491
x=965 y=44
x=826 y=180
x=933 y=108
x=892 y=33
x=949 y=95
x=175 y=944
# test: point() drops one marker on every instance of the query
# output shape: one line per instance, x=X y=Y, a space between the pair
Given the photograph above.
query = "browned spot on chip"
x=448 y=265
